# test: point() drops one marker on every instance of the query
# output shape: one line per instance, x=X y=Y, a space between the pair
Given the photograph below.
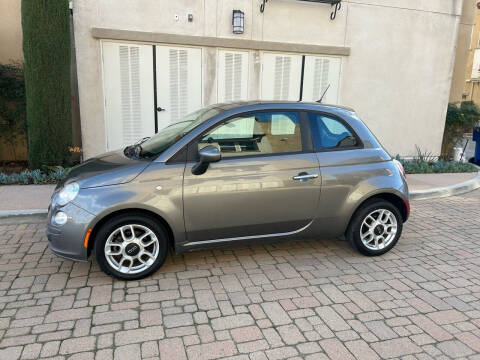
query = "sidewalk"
x=25 y=197
x=20 y=199
x=429 y=181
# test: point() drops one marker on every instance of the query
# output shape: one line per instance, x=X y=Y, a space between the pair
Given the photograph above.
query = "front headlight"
x=67 y=194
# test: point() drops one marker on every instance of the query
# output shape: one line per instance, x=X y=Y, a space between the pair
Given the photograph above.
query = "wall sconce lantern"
x=238 y=21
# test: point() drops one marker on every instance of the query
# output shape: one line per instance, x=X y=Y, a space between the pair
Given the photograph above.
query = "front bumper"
x=67 y=240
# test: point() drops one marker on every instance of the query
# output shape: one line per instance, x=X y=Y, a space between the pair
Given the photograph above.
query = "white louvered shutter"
x=476 y=65
x=319 y=72
x=281 y=76
x=232 y=76
x=128 y=92
x=179 y=82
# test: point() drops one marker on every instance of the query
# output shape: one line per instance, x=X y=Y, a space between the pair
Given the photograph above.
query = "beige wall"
x=471 y=89
x=397 y=76
x=463 y=49
x=10 y=31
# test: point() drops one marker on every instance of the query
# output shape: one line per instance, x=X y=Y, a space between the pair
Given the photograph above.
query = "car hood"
x=107 y=169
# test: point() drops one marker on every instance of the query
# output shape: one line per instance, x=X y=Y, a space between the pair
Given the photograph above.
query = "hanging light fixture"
x=238 y=18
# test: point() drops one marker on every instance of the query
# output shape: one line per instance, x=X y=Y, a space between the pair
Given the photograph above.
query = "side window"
x=330 y=133
x=256 y=134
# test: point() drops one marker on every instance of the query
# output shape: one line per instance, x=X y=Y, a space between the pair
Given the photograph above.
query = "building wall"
x=471 y=87
x=466 y=35
x=10 y=32
x=397 y=74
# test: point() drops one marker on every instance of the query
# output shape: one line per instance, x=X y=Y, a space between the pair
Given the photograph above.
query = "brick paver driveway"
x=305 y=300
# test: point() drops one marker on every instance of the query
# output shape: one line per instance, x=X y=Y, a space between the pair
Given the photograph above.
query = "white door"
x=128 y=91
x=232 y=76
x=281 y=76
x=179 y=83
x=319 y=73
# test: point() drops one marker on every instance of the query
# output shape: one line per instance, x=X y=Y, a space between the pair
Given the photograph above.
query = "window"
x=256 y=134
x=330 y=133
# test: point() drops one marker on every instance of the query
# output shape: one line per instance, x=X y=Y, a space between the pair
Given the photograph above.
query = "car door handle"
x=305 y=176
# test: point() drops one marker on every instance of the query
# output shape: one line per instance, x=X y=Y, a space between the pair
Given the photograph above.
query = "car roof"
x=282 y=104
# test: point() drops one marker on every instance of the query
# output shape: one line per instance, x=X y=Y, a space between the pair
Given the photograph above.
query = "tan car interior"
x=239 y=137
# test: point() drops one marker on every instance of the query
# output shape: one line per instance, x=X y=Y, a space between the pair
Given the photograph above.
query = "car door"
x=267 y=183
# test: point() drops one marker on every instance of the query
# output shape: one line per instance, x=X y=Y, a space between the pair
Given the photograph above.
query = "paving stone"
x=139 y=335
x=335 y=349
x=214 y=350
x=71 y=314
x=276 y=314
x=114 y=316
x=332 y=319
x=447 y=317
x=435 y=331
x=70 y=346
x=50 y=349
x=454 y=349
x=281 y=353
x=31 y=351
x=101 y=295
x=11 y=353
x=205 y=300
x=290 y=334
x=248 y=333
x=231 y=322
x=396 y=348
x=151 y=317
x=31 y=311
x=381 y=330
x=361 y=350
x=178 y=320
x=159 y=296
x=128 y=352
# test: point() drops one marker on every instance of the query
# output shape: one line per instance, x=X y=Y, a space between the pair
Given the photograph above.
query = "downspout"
x=76 y=152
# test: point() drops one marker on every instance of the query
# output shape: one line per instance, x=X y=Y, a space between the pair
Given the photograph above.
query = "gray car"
x=231 y=174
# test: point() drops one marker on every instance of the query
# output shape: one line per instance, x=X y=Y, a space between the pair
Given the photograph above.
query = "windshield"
x=171 y=134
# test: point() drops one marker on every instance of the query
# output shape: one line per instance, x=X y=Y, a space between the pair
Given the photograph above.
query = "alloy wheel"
x=378 y=229
x=131 y=248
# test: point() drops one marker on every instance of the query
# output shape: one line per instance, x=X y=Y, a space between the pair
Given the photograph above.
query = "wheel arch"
x=104 y=219
x=401 y=204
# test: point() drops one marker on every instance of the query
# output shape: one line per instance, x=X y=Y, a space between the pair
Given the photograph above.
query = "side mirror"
x=208 y=154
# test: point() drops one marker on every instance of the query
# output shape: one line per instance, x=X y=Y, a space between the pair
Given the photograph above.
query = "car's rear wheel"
x=375 y=228
x=131 y=246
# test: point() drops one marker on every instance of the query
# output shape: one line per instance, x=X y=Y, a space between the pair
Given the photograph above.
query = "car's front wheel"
x=375 y=228
x=131 y=246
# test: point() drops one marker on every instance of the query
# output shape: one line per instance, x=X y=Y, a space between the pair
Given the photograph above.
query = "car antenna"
x=320 y=100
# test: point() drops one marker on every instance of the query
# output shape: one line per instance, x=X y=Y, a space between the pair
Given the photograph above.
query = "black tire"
x=114 y=223
x=353 y=231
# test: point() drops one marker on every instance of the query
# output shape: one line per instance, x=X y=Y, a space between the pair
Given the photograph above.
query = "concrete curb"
x=27 y=212
x=441 y=192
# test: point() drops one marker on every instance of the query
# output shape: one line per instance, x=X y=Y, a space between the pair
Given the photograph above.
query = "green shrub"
x=46 y=48
x=12 y=106
x=422 y=166
x=460 y=119
x=50 y=175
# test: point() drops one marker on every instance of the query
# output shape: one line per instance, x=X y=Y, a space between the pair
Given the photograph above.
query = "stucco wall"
x=463 y=49
x=397 y=76
x=10 y=31
x=399 y=72
x=472 y=88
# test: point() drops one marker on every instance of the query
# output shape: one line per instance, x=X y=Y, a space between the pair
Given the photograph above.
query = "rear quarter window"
x=329 y=133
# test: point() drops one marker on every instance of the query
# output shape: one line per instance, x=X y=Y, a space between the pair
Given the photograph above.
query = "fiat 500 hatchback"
x=230 y=174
